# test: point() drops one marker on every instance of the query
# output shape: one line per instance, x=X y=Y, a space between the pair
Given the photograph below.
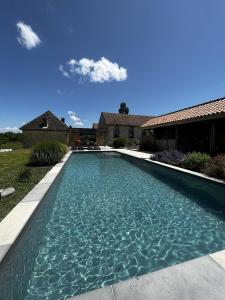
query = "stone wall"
x=102 y=132
x=31 y=137
x=105 y=134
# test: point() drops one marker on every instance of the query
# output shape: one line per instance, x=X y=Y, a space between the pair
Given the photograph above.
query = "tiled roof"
x=123 y=119
x=193 y=113
x=95 y=125
x=52 y=122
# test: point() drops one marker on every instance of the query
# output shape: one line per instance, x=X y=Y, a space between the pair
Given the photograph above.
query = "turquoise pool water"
x=108 y=218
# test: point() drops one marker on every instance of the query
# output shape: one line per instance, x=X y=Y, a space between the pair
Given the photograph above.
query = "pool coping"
x=142 y=155
x=13 y=224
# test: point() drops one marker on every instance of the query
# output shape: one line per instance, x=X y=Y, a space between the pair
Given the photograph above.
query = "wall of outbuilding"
x=105 y=134
x=31 y=137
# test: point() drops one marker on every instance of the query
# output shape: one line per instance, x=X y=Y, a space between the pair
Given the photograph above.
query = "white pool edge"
x=13 y=224
x=147 y=157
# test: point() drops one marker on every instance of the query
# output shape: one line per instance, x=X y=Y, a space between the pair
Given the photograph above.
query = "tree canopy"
x=124 y=109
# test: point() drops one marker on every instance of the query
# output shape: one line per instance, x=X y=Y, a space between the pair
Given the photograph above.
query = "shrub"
x=122 y=142
x=24 y=175
x=119 y=142
x=173 y=157
x=47 y=153
x=12 y=145
x=216 y=167
x=195 y=161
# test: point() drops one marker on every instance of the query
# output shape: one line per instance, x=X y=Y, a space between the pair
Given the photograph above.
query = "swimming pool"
x=107 y=218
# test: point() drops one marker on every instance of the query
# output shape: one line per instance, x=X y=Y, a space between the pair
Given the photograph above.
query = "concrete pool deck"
x=198 y=279
x=201 y=278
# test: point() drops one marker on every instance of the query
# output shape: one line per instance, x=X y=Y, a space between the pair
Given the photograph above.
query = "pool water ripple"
x=108 y=220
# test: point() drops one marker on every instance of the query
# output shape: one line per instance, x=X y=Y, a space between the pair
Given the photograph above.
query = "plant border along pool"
x=13 y=224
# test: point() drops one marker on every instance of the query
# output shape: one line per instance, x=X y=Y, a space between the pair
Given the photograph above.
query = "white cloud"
x=76 y=120
x=10 y=129
x=97 y=71
x=64 y=73
x=27 y=37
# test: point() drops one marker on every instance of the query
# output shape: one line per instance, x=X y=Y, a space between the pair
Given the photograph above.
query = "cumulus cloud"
x=10 y=129
x=96 y=71
x=75 y=119
x=27 y=37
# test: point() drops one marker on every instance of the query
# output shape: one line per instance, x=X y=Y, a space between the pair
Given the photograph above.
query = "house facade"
x=45 y=127
x=196 y=128
x=114 y=125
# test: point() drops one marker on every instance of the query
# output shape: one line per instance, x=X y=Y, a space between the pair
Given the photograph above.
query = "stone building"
x=45 y=127
x=114 y=125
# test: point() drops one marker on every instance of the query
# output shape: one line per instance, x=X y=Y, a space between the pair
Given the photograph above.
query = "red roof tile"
x=125 y=120
x=193 y=113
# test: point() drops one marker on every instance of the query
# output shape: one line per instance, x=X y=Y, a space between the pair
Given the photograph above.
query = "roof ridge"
x=196 y=105
x=104 y=112
x=49 y=114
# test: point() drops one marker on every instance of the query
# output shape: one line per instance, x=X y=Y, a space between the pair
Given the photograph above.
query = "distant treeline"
x=8 y=137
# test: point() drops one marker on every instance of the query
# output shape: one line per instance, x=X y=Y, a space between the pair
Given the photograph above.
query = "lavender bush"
x=173 y=157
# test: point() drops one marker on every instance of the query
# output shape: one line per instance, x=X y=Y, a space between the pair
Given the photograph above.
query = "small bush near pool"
x=119 y=142
x=195 y=161
x=173 y=157
x=122 y=142
x=216 y=167
x=47 y=153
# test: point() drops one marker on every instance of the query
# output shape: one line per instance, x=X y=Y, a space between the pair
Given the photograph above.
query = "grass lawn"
x=10 y=165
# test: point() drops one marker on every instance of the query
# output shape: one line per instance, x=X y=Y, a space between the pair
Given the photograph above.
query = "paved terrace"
x=198 y=279
x=134 y=153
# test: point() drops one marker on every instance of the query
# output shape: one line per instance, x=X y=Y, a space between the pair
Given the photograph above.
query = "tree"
x=124 y=109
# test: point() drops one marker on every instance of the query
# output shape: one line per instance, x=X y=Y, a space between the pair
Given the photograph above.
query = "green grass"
x=10 y=165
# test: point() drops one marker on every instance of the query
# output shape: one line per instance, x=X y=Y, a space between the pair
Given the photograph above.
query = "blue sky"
x=158 y=56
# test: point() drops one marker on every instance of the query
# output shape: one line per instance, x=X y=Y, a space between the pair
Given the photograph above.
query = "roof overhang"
x=187 y=121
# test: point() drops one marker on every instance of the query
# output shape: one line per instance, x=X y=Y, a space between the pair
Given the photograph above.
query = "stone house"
x=45 y=127
x=197 y=128
x=114 y=125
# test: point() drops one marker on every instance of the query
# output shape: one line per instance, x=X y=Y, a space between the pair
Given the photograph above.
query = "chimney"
x=63 y=120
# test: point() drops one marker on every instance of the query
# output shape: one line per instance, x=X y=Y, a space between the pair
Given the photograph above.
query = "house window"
x=131 y=132
x=44 y=123
x=116 y=132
